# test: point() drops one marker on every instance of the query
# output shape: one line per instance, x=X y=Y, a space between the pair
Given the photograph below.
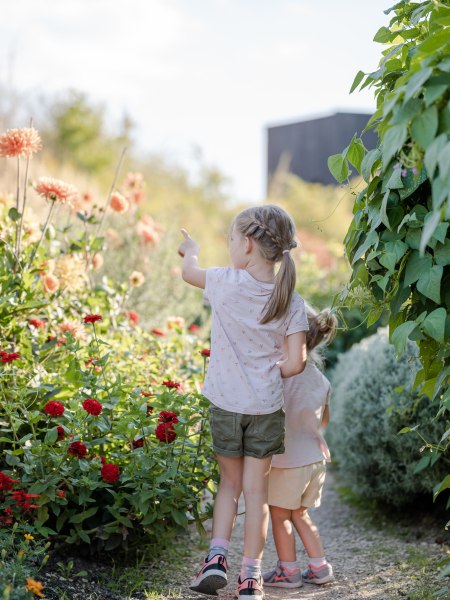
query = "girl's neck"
x=261 y=271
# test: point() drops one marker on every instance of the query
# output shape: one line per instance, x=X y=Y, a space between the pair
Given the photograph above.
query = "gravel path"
x=369 y=563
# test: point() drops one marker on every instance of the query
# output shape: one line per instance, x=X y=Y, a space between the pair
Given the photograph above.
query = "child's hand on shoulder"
x=188 y=245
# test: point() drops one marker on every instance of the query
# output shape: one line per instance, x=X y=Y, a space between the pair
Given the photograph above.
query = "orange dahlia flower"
x=56 y=190
x=20 y=142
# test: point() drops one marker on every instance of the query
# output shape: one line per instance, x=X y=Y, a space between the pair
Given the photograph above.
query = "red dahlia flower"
x=158 y=332
x=8 y=357
x=54 y=408
x=61 y=433
x=92 y=318
x=146 y=394
x=92 y=406
x=205 y=352
x=166 y=416
x=165 y=432
x=38 y=323
x=77 y=449
x=110 y=473
x=6 y=483
x=193 y=328
x=172 y=384
x=102 y=458
x=139 y=443
x=133 y=317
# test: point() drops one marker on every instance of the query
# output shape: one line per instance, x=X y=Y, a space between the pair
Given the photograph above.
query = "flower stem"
x=19 y=232
x=50 y=212
x=113 y=185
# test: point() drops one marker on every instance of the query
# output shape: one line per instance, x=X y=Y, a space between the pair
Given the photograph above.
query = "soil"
x=370 y=561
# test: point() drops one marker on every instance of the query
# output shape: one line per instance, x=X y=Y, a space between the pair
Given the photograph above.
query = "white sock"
x=316 y=563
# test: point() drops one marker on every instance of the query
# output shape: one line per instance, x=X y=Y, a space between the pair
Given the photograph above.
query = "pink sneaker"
x=250 y=589
x=212 y=576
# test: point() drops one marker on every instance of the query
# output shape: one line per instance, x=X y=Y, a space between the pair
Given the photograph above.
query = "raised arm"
x=296 y=355
x=190 y=271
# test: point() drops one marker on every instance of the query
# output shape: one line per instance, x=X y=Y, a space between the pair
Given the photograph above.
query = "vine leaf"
x=401 y=335
x=424 y=127
x=432 y=220
x=434 y=324
x=429 y=283
x=393 y=140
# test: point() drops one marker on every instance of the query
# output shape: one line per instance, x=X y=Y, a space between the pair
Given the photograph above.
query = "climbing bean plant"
x=398 y=242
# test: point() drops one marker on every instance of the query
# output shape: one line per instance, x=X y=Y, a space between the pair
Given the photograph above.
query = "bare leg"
x=226 y=502
x=283 y=533
x=308 y=532
x=255 y=486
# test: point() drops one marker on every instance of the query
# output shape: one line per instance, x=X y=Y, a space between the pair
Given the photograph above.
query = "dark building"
x=303 y=148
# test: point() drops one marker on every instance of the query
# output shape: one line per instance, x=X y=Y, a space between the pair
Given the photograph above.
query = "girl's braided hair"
x=274 y=231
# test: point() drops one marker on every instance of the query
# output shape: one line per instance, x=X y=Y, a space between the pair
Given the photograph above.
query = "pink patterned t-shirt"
x=242 y=375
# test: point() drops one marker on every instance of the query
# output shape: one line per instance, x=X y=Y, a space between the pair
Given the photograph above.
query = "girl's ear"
x=248 y=245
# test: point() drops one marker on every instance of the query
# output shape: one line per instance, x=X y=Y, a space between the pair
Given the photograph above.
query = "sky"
x=196 y=76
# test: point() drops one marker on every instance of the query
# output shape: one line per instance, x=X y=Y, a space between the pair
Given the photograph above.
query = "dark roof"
x=303 y=148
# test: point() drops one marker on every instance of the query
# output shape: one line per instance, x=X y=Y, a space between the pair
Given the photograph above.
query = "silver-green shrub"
x=372 y=400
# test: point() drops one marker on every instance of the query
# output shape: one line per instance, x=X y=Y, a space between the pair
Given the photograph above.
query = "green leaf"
x=422 y=464
x=404 y=430
x=440 y=487
x=338 y=167
x=393 y=141
x=384 y=35
x=441 y=16
x=438 y=40
x=80 y=517
x=395 y=181
x=440 y=190
x=429 y=283
x=424 y=127
x=359 y=77
x=355 y=153
x=432 y=154
x=442 y=253
x=406 y=112
x=14 y=214
x=434 y=324
x=393 y=252
x=416 y=265
x=444 y=162
x=401 y=334
x=383 y=210
x=369 y=162
x=371 y=240
x=51 y=436
x=431 y=222
x=180 y=517
x=434 y=89
x=416 y=81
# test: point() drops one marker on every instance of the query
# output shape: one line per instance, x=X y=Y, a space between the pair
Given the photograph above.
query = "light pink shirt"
x=242 y=375
x=305 y=397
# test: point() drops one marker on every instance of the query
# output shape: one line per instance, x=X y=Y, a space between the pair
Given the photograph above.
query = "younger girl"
x=255 y=314
x=297 y=476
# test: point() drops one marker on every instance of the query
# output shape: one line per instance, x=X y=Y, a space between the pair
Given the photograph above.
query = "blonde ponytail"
x=322 y=329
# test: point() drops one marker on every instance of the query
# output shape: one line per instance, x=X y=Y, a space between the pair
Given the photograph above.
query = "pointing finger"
x=185 y=234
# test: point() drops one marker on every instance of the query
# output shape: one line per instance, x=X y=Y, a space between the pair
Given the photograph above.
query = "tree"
x=77 y=133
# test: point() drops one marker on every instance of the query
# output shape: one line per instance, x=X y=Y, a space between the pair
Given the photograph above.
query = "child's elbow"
x=186 y=274
x=299 y=368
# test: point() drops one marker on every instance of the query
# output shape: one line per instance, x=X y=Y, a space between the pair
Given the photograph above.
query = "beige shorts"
x=300 y=486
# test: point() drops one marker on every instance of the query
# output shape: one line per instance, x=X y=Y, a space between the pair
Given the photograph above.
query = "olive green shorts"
x=237 y=435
